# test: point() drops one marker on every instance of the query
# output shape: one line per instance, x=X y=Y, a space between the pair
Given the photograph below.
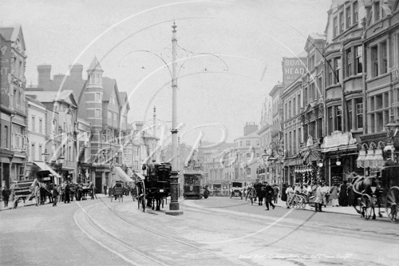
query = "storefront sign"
x=338 y=138
x=293 y=67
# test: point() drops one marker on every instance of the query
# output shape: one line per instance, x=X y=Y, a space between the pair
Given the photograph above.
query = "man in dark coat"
x=283 y=192
x=343 y=196
x=55 y=194
x=6 y=195
x=258 y=188
x=269 y=192
x=67 y=191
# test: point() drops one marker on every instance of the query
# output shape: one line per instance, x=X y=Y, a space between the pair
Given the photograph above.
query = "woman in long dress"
x=318 y=198
x=334 y=196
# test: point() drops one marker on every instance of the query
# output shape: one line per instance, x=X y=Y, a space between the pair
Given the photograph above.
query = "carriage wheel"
x=392 y=204
x=366 y=206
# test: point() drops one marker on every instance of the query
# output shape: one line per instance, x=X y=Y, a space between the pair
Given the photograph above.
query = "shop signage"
x=5 y=72
x=293 y=67
x=337 y=138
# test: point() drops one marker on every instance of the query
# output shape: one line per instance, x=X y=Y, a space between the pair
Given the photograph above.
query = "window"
x=293 y=107
x=241 y=143
x=305 y=96
x=359 y=113
x=248 y=143
x=40 y=151
x=341 y=22
x=355 y=13
x=359 y=60
x=299 y=137
x=33 y=123
x=383 y=56
x=5 y=137
x=299 y=102
x=40 y=125
x=350 y=112
x=377 y=11
x=330 y=120
x=348 y=56
x=348 y=17
x=337 y=68
x=311 y=62
x=374 y=61
x=115 y=119
x=98 y=97
x=319 y=87
x=293 y=142
x=286 y=111
x=338 y=118
x=289 y=110
x=378 y=114
x=330 y=72
x=33 y=152
x=92 y=81
x=97 y=113
x=335 y=24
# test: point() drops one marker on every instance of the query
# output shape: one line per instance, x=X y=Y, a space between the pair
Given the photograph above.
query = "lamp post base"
x=174 y=213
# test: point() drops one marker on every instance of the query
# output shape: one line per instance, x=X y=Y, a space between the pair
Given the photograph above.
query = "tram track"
x=289 y=223
x=142 y=257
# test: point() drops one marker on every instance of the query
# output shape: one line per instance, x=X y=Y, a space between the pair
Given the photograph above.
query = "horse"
x=359 y=187
x=251 y=194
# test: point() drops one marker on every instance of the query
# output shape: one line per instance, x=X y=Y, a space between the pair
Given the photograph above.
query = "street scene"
x=199 y=132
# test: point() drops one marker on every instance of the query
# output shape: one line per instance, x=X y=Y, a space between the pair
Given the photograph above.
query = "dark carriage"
x=156 y=184
x=118 y=191
x=379 y=191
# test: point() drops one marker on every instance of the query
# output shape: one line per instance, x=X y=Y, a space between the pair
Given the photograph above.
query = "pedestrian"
x=105 y=190
x=318 y=198
x=290 y=192
x=5 y=192
x=275 y=194
x=269 y=192
x=283 y=194
x=55 y=194
x=334 y=195
x=325 y=190
x=343 y=194
x=67 y=192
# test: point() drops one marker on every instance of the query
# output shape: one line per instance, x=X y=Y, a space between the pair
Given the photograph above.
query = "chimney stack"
x=44 y=72
x=76 y=71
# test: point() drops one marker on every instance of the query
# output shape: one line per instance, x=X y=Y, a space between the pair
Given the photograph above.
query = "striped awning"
x=310 y=155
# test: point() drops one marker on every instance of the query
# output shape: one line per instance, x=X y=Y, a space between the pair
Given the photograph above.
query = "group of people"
x=323 y=195
x=268 y=192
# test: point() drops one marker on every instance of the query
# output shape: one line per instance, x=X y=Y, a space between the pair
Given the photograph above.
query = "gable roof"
x=11 y=33
x=110 y=86
x=51 y=96
x=33 y=100
x=124 y=100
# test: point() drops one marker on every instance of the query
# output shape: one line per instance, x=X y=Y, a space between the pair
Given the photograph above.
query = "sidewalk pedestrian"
x=55 y=194
x=269 y=192
x=283 y=192
x=334 y=196
x=325 y=190
x=5 y=192
x=343 y=196
x=318 y=198
x=105 y=190
x=290 y=192
x=275 y=193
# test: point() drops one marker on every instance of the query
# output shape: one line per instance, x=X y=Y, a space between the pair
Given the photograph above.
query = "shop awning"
x=44 y=166
x=121 y=175
x=310 y=155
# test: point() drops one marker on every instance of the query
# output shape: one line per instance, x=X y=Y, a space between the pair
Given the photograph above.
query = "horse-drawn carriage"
x=155 y=187
x=38 y=189
x=237 y=190
x=385 y=194
x=118 y=191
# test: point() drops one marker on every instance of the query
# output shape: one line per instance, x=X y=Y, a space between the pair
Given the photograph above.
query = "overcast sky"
x=229 y=44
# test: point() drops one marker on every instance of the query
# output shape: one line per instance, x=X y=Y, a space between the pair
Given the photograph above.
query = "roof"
x=52 y=96
x=95 y=66
x=6 y=33
x=252 y=135
x=275 y=89
x=124 y=100
x=11 y=33
x=35 y=101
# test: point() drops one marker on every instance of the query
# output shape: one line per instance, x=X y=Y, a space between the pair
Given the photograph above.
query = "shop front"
x=340 y=152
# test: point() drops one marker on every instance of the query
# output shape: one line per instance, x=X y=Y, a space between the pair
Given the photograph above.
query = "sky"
x=223 y=49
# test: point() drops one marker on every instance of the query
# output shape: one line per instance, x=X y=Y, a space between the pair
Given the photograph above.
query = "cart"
x=237 y=190
x=117 y=192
